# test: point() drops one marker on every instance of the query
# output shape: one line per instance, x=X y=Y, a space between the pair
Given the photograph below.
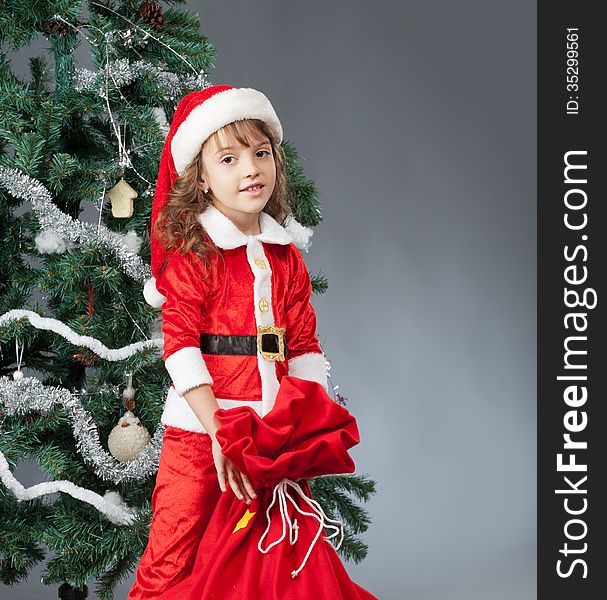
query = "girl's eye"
x=231 y=158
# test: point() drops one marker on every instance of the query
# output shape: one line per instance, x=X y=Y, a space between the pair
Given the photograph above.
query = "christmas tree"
x=82 y=384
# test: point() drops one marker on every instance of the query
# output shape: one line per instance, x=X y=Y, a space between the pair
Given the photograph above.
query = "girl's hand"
x=239 y=482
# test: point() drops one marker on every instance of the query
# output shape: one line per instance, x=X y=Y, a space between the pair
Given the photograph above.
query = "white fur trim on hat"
x=151 y=294
x=225 y=107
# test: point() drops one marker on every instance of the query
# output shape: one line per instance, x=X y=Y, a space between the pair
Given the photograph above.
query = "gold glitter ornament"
x=122 y=196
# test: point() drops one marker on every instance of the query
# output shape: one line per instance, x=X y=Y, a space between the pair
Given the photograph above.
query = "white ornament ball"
x=128 y=438
x=18 y=375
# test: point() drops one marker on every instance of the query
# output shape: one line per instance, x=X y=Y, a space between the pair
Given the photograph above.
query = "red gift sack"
x=275 y=548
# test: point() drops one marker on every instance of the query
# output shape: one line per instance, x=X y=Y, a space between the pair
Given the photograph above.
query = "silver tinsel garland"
x=50 y=217
x=122 y=72
x=25 y=395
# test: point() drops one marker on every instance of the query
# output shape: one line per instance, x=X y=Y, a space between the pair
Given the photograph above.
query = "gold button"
x=263 y=305
x=260 y=263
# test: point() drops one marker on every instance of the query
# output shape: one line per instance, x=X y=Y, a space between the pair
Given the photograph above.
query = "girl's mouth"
x=253 y=190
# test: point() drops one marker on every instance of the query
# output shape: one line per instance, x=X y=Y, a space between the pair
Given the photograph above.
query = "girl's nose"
x=249 y=166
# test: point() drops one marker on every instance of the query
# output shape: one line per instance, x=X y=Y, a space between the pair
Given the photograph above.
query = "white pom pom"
x=299 y=233
x=151 y=294
x=130 y=239
x=48 y=242
x=113 y=498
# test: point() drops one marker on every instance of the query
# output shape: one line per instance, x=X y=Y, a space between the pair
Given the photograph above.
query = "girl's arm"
x=182 y=283
x=203 y=403
x=306 y=359
x=183 y=286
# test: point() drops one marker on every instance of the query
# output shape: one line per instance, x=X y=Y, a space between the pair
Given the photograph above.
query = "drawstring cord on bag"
x=280 y=492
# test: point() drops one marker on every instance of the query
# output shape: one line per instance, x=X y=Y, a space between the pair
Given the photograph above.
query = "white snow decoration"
x=130 y=239
x=301 y=234
x=49 y=242
x=70 y=335
x=114 y=498
x=118 y=513
x=161 y=120
x=156 y=329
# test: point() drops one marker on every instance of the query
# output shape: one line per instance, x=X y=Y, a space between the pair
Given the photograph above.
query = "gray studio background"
x=417 y=121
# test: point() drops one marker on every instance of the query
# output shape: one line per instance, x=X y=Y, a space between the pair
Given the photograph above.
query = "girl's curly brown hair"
x=178 y=226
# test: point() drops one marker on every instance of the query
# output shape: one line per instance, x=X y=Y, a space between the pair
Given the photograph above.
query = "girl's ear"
x=202 y=184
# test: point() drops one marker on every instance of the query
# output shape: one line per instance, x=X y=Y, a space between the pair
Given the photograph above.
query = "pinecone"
x=151 y=13
x=56 y=27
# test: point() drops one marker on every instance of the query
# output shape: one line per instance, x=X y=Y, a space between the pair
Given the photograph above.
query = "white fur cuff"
x=311 y=366
x=187 y=369
x=178 y=413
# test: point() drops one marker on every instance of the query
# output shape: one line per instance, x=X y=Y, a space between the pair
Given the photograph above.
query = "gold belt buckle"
x=279 y=332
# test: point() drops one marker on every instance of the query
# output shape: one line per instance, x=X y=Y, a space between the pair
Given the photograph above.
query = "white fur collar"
x=226 y=234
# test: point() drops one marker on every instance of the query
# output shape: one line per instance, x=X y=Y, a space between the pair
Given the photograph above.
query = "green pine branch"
x=20 y=549
x=334 y=493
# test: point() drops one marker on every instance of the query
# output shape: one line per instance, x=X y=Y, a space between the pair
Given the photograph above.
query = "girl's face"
x=230 y=169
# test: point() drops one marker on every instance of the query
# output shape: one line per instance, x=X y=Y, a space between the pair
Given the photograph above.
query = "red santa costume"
x=240 y=324
x=259 y=293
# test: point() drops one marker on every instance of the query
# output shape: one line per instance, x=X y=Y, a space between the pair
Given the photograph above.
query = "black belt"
x=238 y=344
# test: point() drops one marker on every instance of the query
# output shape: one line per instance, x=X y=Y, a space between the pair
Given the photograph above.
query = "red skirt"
x=186 y=493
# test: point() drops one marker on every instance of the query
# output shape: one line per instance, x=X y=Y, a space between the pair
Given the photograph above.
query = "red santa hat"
x=197 y=117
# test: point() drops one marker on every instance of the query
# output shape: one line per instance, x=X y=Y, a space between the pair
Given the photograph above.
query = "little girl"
x=236 y=312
